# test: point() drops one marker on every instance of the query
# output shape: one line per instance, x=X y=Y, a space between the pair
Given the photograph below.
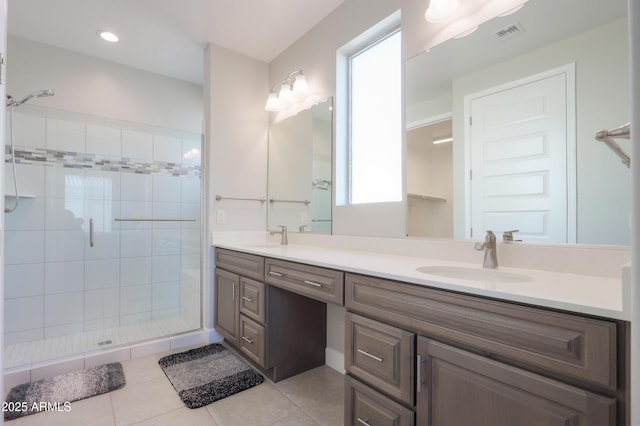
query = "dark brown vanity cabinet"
x=475 y=361
x=281 y=332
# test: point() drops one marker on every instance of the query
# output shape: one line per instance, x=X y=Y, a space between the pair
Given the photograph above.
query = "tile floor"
x=312 y=398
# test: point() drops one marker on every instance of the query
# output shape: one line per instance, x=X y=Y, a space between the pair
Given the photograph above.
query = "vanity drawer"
x=381 y=355
x=247 y=265
x=364 y=406
x=326 y=285
x=252 y=302
x=564 y=344
x=252 y=340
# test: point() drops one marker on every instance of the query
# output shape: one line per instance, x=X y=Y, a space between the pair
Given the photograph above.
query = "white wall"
x=236 y=127
x=104 y=89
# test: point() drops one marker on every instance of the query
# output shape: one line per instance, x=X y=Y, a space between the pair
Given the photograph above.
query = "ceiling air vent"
x=510 y=31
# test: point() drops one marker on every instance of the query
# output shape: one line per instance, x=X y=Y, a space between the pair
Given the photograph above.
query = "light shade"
x=300 y=87
x=285 y=96
x=273 y=104
x=440 y=10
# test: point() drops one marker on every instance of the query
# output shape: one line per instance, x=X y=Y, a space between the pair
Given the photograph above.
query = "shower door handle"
x=91 y=232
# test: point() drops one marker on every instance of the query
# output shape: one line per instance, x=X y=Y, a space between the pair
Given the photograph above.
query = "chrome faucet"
x=490 y=253
x=284 y=241
x=508 y=235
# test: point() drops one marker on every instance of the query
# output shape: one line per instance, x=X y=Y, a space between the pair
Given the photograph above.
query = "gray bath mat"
x=204 y=375
x=56 y=393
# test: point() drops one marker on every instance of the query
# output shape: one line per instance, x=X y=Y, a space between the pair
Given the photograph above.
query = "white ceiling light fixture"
x=109 y=36
x=465 y=18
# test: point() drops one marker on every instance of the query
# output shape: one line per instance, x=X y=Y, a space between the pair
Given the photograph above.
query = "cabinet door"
x=226 y=316
x=456 y=387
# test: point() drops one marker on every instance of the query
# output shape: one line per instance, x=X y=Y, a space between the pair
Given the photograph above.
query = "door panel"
x=518 y=145
x=226 y=317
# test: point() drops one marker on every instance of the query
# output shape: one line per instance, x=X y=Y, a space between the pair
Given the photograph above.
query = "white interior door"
x=518 y=146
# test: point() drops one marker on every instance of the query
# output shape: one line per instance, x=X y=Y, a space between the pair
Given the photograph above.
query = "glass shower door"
x=104 y=248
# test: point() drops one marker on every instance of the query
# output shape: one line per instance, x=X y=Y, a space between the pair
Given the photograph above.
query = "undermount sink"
x=473 y=274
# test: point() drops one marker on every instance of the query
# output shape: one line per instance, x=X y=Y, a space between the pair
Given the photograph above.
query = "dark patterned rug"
x=207 y=374
x=57 y=393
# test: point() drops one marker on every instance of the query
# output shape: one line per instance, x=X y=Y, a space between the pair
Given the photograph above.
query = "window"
x=375 y=122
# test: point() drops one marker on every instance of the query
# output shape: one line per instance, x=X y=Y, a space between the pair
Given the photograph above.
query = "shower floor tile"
x=25 y=354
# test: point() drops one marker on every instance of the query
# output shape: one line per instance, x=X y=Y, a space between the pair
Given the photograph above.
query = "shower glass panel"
x=104 y=248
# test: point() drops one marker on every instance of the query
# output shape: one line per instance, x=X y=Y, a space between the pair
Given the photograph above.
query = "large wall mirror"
x=515 y=107
x=299 y=187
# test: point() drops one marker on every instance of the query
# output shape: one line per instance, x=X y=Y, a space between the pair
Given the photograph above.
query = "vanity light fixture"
x=108 y=36
x=445 y=139
x=291 y=95
x=286 y=92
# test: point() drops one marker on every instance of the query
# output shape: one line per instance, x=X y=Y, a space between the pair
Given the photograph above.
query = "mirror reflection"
x=299 y=181
x=522 y=99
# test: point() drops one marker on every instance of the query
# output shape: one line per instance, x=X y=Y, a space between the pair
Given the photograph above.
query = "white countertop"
x=600 y=296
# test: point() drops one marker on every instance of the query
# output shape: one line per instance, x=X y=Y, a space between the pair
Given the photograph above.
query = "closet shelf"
x=427 y=198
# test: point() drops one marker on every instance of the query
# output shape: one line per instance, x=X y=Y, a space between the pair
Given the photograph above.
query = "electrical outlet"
x=304 y=218
x=221 y=217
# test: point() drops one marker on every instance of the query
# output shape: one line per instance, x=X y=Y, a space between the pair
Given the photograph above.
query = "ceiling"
x=168 y=36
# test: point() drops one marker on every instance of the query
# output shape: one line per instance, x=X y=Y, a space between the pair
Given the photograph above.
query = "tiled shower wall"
x=74 y=168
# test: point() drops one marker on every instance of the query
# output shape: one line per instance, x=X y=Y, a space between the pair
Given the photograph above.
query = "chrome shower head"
x=40 y=94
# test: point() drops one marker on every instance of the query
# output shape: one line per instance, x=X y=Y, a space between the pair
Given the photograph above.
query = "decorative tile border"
x=76 y=160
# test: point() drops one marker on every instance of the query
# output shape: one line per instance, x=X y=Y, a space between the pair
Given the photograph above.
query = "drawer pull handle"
x=247 y=299
x=246 y=339
x=275 y=274
x=370 y=355
x=419 y=381
x=364 y=421
x=312 y=283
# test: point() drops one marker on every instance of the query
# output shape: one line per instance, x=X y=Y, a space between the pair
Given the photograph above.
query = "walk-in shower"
x=103 y=249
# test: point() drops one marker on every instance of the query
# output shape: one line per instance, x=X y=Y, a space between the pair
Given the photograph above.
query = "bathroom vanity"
x=422 y=350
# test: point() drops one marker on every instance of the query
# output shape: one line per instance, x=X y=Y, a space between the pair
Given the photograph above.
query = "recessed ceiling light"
x=108 y=36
